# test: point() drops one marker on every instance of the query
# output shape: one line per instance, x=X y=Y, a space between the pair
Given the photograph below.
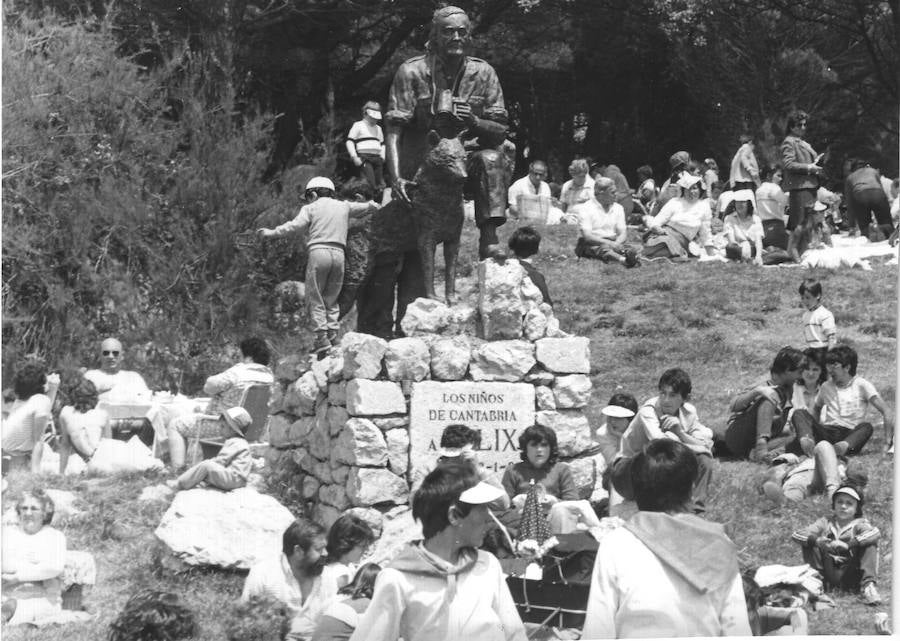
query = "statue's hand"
x=399 y=189
x=463 y=111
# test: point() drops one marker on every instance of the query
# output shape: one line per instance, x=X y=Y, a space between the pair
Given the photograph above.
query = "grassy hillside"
x=722 y=323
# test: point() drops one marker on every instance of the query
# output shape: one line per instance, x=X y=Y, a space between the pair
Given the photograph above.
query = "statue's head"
x=451 y=32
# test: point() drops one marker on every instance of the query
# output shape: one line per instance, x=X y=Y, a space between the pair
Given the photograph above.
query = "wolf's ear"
x=433 y=138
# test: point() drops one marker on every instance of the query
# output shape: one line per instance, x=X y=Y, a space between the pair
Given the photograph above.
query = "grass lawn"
x=721 y=322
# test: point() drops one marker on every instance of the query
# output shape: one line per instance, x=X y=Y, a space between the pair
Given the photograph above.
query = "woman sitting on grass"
x=85 y=428
x=743 y=229
x=23 y=429
x=681 y=221
x=540 y=465
x=34 y=556
x=340 y=618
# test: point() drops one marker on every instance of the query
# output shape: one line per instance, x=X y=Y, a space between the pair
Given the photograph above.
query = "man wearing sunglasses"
x=114 y=384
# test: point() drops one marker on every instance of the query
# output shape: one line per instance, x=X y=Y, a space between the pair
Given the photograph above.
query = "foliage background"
x=144 y=139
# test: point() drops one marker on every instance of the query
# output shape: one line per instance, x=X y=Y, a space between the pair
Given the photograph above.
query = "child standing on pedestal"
x=327 y=221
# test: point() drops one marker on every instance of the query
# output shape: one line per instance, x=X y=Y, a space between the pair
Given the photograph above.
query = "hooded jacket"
x=421 y=597
x=663 y=575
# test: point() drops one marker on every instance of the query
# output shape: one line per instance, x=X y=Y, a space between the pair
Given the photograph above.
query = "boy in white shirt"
x=845 y=399
x=603 y=230
x=819 y=329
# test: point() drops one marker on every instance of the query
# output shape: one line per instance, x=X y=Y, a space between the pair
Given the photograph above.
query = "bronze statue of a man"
x=450 y=92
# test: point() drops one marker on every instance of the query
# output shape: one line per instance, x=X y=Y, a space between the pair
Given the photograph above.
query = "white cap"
x=849 y=491
x=373 y=113
x=481 y=494
x=686 y=181
x=237 y=419
x=820 y=206
x=320 y=181
x=743 y=194
x=617 y=411
x=451 y=452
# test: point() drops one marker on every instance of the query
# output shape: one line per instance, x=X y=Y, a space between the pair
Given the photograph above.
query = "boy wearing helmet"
x=326 y=220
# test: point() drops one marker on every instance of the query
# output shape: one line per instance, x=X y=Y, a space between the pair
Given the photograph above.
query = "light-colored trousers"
x=214 y=474
x=324 y=279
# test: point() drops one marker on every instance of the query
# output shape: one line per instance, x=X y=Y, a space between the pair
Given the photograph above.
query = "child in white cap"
x=844 y=547
x=231 y=467
x=619 y=411
x=326 y=220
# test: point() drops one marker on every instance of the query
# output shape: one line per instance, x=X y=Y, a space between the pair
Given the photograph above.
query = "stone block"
x=500 y=304
x=362 y=355
x=276 y=400
x=534 y=325
x=573 y=433
x=303 y=459
x=232 y=530
x=450 y=358
x=280 y=430
x=290 y=367
x=319 y=443
x=390 y=422
x=300 y=396
x=373 y=485
x=564 y=355
x=539 y=376
x=335 y=367
x=300 y=430
x=425 y=316
x=543 y=397
x=335 y=495
x=340 y=473
x=336 y=418
x=502 y=361
x=325 y=514
x=361 y=443
x=310 y=487
x=572 y=391
x=398 y=530
x=322 y=471
x=398 y=450
x=320 y=371
x=374 y=398
x=407 y=359
x=337 y=393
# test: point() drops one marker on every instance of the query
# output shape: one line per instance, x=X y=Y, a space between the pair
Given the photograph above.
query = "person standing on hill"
x=800 y=169
x=744 y=168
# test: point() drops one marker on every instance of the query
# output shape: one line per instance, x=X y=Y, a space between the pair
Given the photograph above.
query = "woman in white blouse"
x=683 y=220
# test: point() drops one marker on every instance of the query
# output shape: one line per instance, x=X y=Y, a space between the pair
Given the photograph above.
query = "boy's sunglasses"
x=108 y=352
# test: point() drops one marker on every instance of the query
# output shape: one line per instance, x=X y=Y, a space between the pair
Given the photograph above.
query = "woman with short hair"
x=33 y=557
x=580 y=188
x=683 y=220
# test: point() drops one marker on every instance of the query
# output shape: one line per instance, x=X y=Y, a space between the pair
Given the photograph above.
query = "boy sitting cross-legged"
x=668 y=415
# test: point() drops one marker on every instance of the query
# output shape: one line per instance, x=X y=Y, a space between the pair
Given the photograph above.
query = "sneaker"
x=772 y=491
x=807 y=445
x=841 y=447
x=870 y=595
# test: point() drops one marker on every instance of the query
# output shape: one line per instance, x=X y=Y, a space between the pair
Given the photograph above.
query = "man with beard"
x=295 y=577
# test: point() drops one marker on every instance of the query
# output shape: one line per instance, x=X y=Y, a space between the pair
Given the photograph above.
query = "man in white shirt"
x=531 y=185
x=365 y=144
x=116 y=385
x=295 y=577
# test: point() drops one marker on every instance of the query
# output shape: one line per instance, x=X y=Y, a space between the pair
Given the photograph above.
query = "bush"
x=129 y=197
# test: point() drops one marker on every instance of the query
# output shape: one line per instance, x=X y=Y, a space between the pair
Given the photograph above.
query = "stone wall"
x=344 y=421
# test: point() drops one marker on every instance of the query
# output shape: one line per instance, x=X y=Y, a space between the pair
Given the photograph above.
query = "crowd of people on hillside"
x=770 y=215
x=806 y=419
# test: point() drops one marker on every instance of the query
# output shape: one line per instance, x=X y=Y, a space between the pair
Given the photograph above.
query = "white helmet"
x=320 y=181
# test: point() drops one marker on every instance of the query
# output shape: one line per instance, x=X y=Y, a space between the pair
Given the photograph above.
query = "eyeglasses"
x=108 y=352
x=30 y=508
